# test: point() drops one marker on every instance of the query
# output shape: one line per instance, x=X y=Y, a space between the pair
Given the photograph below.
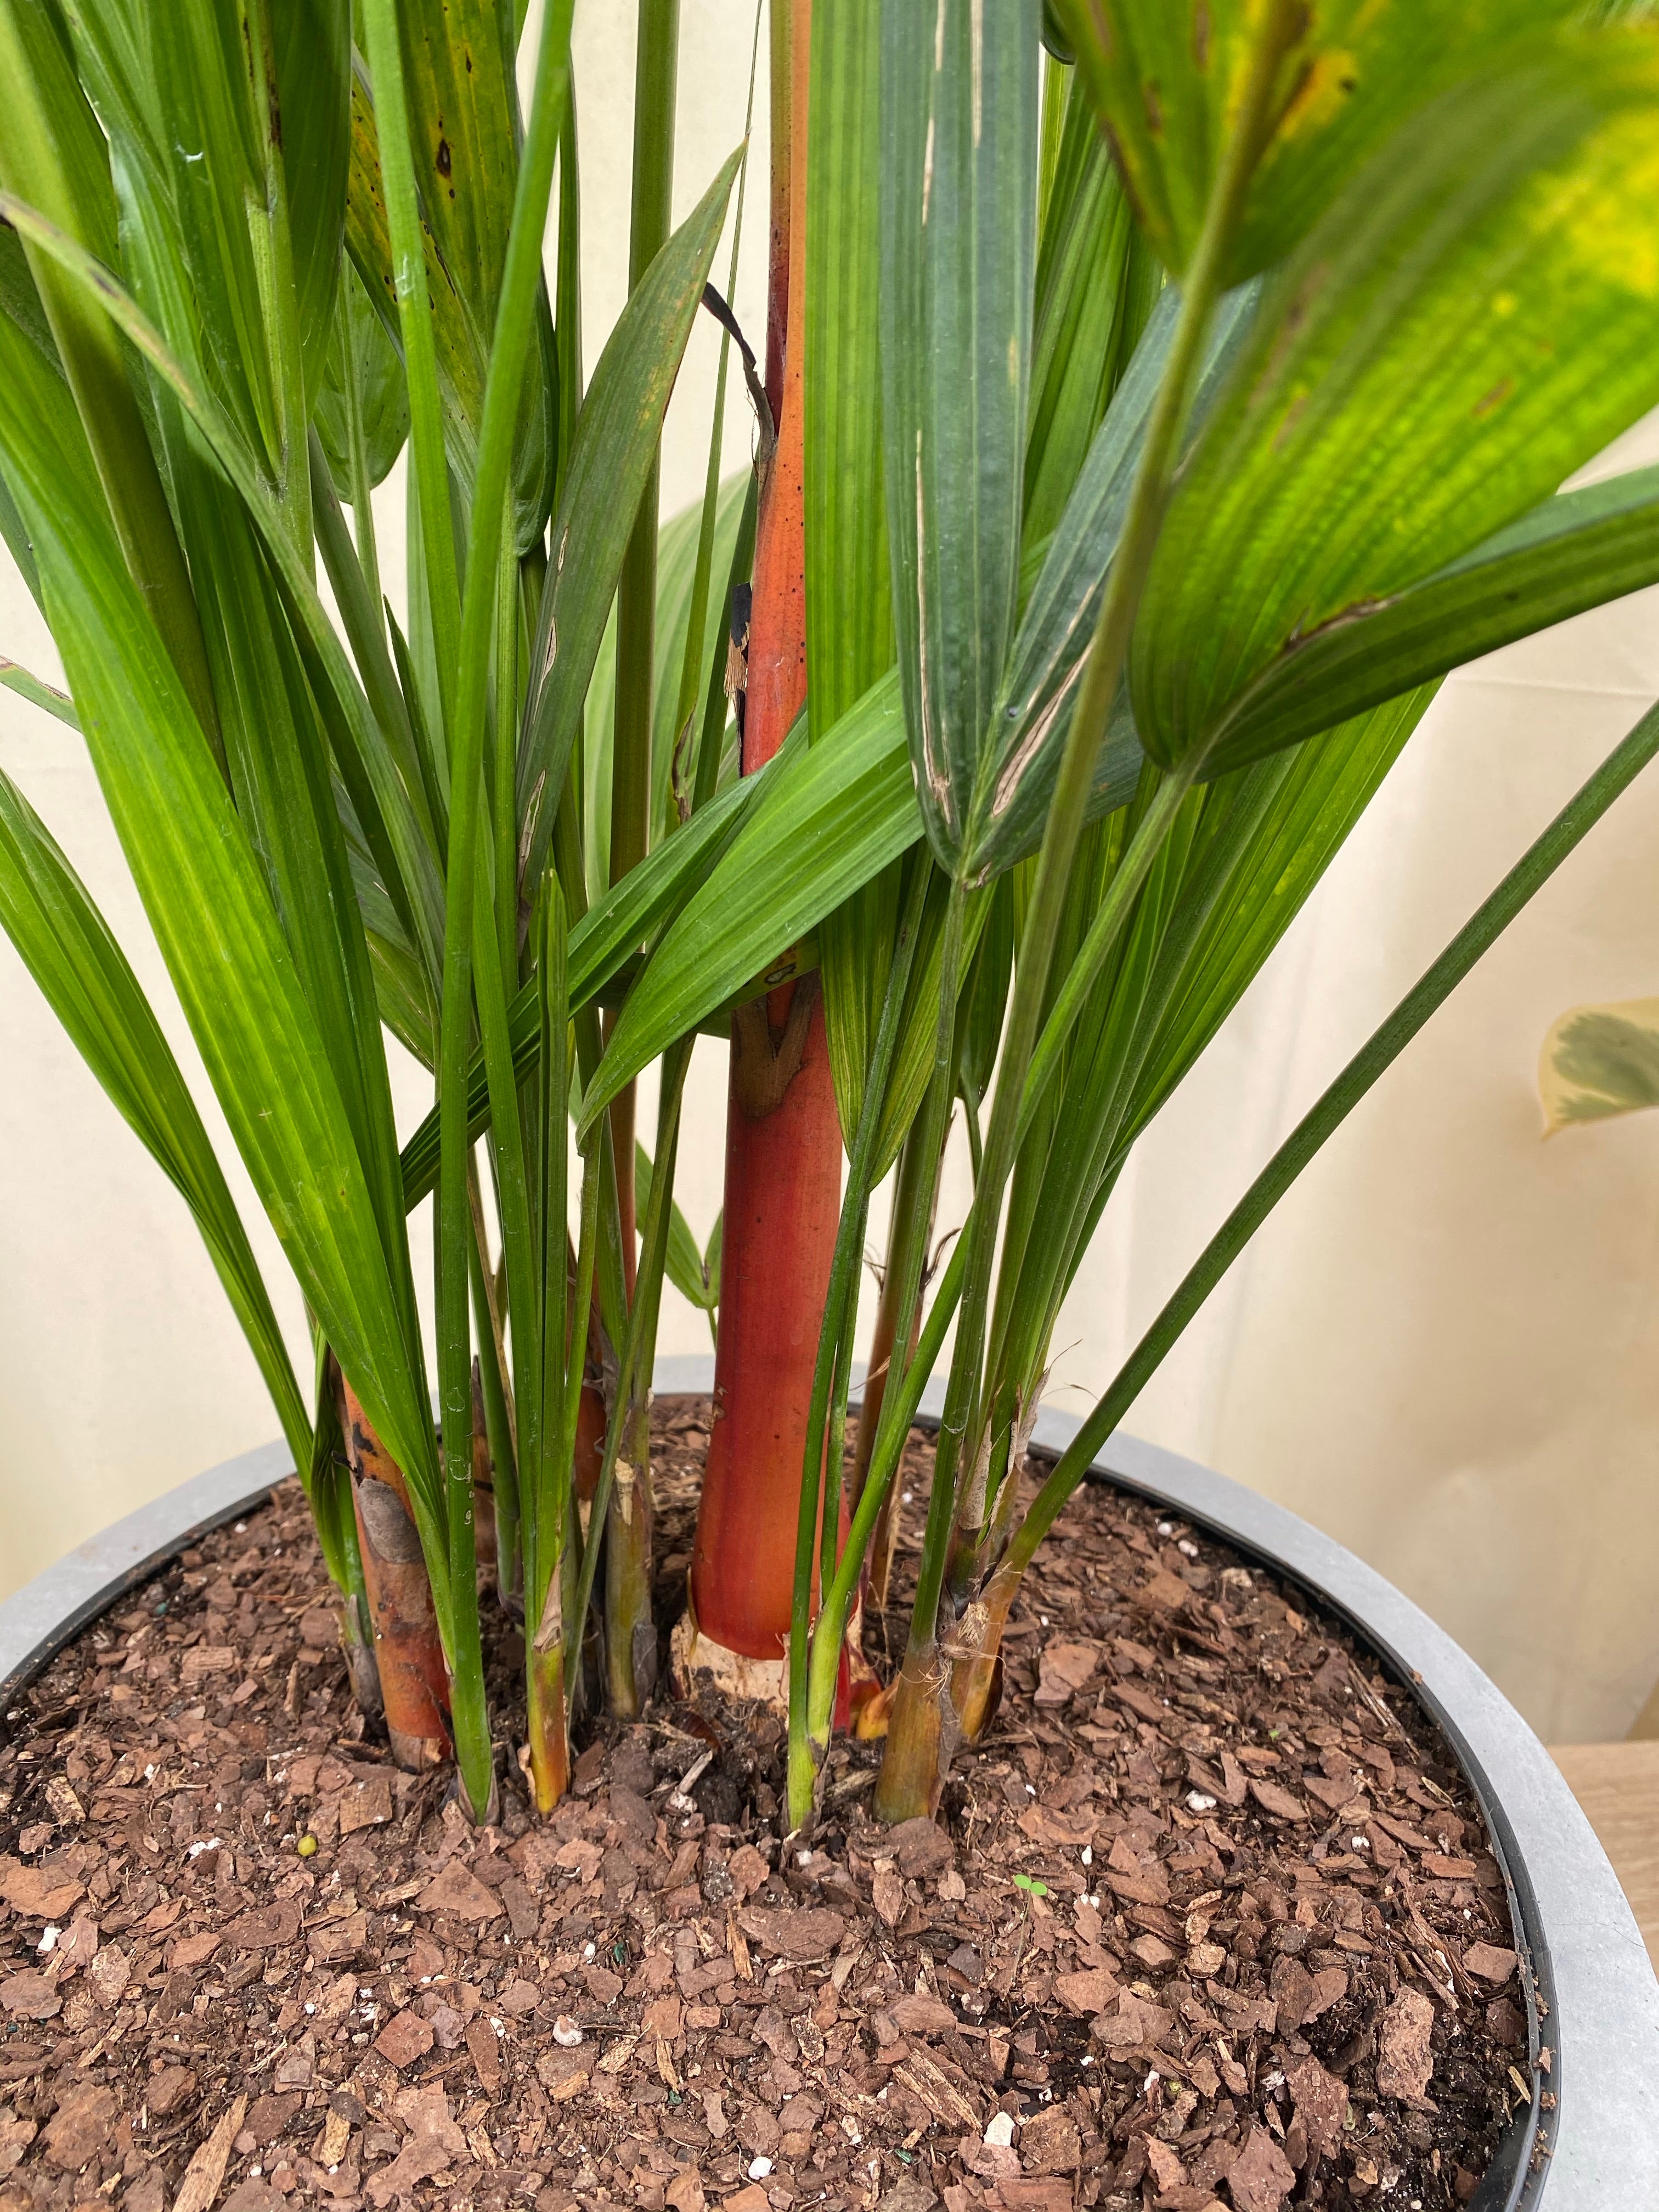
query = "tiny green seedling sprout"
x=1031 y=1887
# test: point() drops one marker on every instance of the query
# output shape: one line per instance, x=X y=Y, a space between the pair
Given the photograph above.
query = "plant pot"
x=1598 y=2143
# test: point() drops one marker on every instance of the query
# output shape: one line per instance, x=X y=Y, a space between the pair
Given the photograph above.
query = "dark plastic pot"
x=1597 y=2145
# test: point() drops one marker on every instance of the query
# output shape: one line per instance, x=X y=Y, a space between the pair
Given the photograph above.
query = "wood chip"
x=1491 y=1962
x=458 y=1891
x=803 y=1935
x=1279 y=1803
x=1261 y=2178
x=35 y=1893
x=486 y=2051
x=206 y=2170
x=934 y=2089
x=405 y=2038
x=1404 y=2059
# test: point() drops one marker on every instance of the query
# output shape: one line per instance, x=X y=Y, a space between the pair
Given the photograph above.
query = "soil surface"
x=1210 y=1921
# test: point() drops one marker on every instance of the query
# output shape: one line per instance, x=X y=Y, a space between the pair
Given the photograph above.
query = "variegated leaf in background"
x=1598 y=1062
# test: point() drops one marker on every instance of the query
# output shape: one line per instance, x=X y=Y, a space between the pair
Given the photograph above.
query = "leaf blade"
x=959 y=133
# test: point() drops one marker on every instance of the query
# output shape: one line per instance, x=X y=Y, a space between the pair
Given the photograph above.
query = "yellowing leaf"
x=1167 y=82
x=1454 y=337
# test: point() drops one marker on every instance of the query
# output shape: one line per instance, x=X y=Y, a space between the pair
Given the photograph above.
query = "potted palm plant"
x=1155 y=406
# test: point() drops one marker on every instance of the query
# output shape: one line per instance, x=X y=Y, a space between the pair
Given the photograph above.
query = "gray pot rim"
x=1584 y=1952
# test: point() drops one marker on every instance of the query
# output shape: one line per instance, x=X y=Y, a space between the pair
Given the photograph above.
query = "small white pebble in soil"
x=1151 y=2083
x=1187 y=1548
x=49 y=1940
x=1031 y=1790
x=759 y=2168
x=1199 y=1801
x=1166 y=1528
x=310 y=2004
x=999 y=2129
x=566 y=2033
x=588 y=1951
x=1088 y=1854
x=1360 y=1842
x=909 y=1496
x=1043 y=1619
x=803 y=1858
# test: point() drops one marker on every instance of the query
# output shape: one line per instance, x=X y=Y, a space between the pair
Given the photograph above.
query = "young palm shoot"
x=631 y=1641
x=910 y=1775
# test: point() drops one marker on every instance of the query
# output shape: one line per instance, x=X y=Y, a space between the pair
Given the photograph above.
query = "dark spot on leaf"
x=444 y=162
x=1489 y=401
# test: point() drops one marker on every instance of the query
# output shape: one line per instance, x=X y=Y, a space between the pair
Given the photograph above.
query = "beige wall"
x=1442 y=1349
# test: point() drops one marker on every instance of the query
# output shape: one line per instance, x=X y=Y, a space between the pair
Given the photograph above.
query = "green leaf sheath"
x=958 y=132
x=65 y=943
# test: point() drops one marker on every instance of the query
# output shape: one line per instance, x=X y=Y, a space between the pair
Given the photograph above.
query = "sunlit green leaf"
x=1470 y=321
x=1167 y=82
x=207 y=902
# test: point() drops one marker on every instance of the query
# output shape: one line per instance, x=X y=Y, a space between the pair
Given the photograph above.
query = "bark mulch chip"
x=1209 y=1921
